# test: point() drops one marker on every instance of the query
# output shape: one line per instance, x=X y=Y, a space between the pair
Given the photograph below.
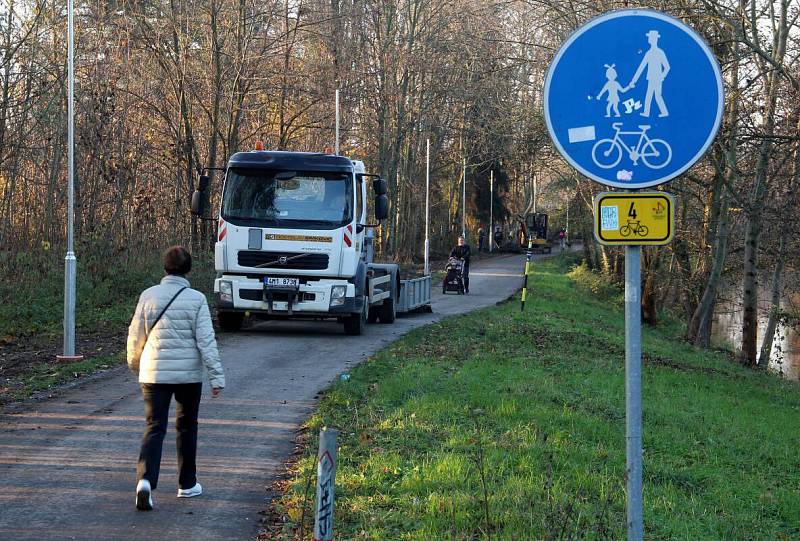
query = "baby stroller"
x=454 y=279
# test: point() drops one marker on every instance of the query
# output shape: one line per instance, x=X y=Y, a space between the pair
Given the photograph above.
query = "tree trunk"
x=651 y=264
x=777 y=275
x=755 y=218
x=699 y=328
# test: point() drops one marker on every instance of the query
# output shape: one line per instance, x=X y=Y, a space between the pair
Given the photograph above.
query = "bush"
x=599 y=284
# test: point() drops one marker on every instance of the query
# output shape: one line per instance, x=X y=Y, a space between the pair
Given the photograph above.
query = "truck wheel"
x=355 y=323
x=230 y=321
x=388 y=310
x=373 y=315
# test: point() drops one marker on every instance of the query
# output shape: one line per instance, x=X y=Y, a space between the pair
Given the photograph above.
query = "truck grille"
x=254 y=258
x=279 y=296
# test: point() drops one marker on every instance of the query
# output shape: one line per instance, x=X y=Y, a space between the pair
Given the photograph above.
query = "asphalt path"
x=67 y=464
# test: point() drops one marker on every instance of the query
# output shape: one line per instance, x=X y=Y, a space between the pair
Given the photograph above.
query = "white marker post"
x=326 y=484
x=427 y=203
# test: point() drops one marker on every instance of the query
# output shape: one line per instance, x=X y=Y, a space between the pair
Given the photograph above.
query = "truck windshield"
x=308 y=200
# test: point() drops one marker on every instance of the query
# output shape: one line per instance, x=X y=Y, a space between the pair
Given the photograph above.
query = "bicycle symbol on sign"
x=635 y=227
x=655 y=153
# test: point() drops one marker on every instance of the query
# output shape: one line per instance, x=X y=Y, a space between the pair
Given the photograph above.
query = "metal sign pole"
x=70 y=261
x=427 y=202
x=633 y=391
x=491 y=209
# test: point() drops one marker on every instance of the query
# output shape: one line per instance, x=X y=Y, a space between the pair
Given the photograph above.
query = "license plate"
x=282 y=282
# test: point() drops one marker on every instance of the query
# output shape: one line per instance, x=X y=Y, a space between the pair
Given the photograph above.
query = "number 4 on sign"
x=632 y=212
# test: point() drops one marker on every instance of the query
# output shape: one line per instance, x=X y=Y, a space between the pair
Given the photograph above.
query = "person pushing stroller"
x=463 y=252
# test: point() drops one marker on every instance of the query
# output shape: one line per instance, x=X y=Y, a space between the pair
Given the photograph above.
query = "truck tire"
x=354 y=324
x=230 y=321
x=373 y=315
x=387 y=312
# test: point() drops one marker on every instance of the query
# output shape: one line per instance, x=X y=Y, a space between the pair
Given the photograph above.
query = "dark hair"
x=177 y=260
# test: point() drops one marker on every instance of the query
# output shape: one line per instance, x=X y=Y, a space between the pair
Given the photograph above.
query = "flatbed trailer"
x=415 y=295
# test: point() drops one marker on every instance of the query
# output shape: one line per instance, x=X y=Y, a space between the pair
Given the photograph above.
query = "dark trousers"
x=465 y=274
x=157 y=397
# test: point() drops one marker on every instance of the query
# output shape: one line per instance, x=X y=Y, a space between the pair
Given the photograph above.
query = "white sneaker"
x=144 y=496
x=196 y=490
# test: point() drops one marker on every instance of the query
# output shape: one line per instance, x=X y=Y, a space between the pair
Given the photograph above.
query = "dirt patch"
x=23 y=357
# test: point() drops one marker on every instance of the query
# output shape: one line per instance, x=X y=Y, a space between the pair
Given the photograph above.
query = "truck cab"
x=293 y=241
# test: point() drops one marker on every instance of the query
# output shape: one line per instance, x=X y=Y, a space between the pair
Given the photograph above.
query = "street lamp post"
x=491 y=209
x=464 y=199
x=336 y=137
x=427 y=202
x=70 y=261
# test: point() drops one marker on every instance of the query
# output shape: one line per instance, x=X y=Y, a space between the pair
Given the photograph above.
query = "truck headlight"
x=337 y=295
x=225 y=291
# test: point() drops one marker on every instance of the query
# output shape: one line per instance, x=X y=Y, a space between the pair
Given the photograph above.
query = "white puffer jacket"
x=181 y=343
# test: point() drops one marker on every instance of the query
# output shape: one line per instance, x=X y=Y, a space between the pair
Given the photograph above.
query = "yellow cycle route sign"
x=646 y=218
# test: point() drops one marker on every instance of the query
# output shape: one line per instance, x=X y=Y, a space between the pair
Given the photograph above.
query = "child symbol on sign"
x=614 y=89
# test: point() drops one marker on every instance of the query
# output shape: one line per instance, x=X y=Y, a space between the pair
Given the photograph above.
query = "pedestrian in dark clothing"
x=462 y=251
x=481 y=240
x=171 y=344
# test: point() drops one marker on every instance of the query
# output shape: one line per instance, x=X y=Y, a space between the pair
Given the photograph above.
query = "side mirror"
x=204 y=182
x=198 y=203
x=198 y=197
x=380 y=186
x=381 y=206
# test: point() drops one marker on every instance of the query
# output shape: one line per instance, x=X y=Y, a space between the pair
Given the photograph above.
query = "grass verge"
x=48 y=374
x=107 y=289
x=31 y=312
x=508 y=425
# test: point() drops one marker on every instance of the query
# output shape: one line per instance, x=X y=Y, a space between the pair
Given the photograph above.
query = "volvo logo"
x=283 y=259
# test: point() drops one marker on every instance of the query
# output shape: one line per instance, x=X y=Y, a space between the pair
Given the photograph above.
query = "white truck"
x=293 y=242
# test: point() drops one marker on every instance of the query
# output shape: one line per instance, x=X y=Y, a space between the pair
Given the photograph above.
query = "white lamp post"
x=70 y=262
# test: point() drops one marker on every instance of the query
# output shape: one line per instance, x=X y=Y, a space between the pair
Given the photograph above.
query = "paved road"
x=67 y=465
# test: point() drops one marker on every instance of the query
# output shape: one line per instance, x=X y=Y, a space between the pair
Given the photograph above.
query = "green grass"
x=107 y=288
x=509 y=425
x=32 y=307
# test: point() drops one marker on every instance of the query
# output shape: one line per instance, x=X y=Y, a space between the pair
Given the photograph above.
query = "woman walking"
x=170 y=344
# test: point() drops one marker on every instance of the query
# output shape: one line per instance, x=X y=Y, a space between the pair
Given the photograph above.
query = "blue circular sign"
x=633 y=98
